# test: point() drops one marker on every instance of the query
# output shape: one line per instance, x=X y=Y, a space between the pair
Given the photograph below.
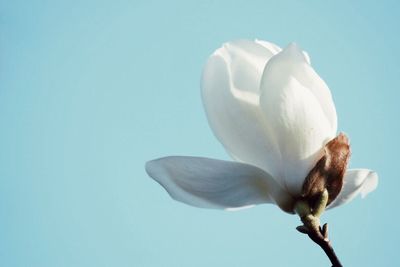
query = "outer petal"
x=356 y=181
x=307 y=76
x=294 y=110
x=276 y=49
x=230 y=91
x=209 y=183
x=270 y=46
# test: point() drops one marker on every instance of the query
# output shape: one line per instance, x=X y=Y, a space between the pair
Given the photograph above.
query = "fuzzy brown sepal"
x=329 y=171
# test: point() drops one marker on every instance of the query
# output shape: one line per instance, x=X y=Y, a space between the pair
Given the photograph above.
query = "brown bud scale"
x=329 y=170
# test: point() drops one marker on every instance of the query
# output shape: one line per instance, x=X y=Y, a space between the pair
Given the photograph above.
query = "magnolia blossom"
x=274 y=115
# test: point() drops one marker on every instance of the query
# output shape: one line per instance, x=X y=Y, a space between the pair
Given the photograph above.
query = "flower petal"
x=210 y=183
x=230 y=91
x=295 y=115
x=307 y=76
x=270 y=46
x=246 y=60
x=356 y=181
x=276 y=49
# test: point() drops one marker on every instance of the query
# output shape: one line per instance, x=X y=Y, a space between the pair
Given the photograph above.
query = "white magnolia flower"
x=274 y=115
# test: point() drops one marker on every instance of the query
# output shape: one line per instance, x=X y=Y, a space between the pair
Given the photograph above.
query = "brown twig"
x=311 y=226
x=320 y=237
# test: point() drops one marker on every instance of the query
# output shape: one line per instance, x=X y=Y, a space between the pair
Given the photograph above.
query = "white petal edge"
x=216 y=184
x=306 y=75
x=230 y=93
x=356 y=182
x=246 y=61
x=276 y=49
x=295 y=117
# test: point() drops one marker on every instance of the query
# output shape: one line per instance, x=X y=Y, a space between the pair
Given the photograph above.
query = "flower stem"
x=318 y=236
x=311 y=226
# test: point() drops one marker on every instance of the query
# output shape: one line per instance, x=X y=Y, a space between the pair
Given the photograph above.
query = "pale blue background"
x=90 y=90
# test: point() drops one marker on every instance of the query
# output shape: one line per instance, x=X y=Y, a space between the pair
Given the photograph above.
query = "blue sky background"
x=91 y=90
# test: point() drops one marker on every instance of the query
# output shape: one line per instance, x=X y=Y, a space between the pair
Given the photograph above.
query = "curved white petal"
x=209 y=183
x=246 y=61
x=355 y=182
x=295 y=115
x=276 y=49
x=307 y=76
x=270 y=46
x=230 y=92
